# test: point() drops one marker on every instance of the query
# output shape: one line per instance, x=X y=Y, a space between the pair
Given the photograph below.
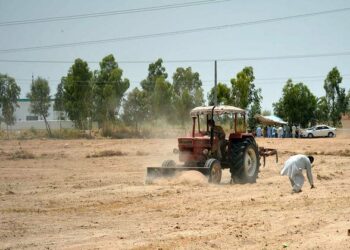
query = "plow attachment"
x=164 y=172
x=266 y=152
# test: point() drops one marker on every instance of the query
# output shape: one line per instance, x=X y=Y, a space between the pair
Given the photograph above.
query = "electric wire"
x=110 y=13
x=300 y=56
x=171 y=33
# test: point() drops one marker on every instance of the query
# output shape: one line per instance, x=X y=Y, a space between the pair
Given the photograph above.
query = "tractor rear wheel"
x=215 y=170
x=245 y=161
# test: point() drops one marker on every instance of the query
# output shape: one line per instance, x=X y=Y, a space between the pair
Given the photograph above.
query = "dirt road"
x=66 y=197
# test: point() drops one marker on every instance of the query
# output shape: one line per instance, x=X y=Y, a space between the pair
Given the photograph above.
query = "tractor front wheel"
x=215 y=170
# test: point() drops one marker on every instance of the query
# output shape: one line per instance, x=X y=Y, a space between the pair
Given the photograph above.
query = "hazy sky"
x=319 y=34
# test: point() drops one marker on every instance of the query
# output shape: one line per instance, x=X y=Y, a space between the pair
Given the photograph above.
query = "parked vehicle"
x=319 y=131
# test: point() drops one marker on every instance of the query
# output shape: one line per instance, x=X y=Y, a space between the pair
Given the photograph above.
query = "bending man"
x=294 y=167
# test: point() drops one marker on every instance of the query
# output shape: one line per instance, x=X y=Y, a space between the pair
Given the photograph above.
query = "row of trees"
x=298 y=105
x=85 y=95
x=39 y=96
x=99 y=95
x=158 y=98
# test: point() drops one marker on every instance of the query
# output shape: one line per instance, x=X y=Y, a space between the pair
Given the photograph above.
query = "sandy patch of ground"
x=62 y=198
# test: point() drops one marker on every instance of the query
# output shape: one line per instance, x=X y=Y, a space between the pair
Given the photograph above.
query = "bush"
x=106 y=153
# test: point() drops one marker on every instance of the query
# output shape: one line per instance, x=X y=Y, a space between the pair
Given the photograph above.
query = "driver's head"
x=311 y=158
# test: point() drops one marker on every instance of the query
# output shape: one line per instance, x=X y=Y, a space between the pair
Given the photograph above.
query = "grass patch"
x=107 y=153
x=21 y=154
x=72 y=133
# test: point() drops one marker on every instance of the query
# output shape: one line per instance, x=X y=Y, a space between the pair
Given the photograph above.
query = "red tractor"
x=208 y=152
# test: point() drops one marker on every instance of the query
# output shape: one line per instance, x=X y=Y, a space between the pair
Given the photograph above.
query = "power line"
x=47 y=61
x=257 y=80
x=300 y=56
x=110 y=13
x=171 y=33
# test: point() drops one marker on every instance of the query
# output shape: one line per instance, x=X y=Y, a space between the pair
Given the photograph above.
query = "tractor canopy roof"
x=218 y=110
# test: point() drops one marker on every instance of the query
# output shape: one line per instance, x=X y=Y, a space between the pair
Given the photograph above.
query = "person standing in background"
x=287 y=131
x=275 y=132
x=280 y=132
x=294 y=129
x=265 y=131
x=269 y=132
x=258 y=131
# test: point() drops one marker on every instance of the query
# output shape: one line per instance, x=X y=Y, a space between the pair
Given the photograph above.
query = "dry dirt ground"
x=62 y=197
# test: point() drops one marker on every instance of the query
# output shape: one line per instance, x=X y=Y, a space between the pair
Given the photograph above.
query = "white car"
x=319 y=131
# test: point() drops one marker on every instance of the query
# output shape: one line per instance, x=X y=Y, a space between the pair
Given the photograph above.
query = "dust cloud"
x=190 y=178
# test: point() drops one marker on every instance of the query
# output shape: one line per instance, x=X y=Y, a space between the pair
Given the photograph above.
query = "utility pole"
x=215 y=85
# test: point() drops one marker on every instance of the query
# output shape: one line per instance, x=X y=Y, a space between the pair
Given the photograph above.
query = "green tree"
x=348 y=101
x=156 y=73
x=322 y=110
x=77 y=93
x=336 y=96
x=39 y=97
x=162 y=99
x=188 y=92
x=255 y=109
x=278 y=109
x=297 y=104
x=135 y=108
x=243 y=88
x=59 y=98
x=108 y=90
x=9 y=93
x=223 y=95
x=155 y=70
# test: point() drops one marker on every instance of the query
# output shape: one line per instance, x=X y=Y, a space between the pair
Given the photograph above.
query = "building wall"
x=39 y=125
x=22 y=113
x=26 y=120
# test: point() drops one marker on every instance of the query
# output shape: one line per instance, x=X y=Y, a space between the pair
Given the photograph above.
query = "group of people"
x=284 y=131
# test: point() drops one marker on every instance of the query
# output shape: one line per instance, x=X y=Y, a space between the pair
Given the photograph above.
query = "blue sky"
x=309 y=35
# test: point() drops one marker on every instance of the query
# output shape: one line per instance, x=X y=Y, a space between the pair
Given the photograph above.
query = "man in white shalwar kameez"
x=294 y=167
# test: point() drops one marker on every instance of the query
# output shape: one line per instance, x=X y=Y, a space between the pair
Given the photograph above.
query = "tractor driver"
x=220 y=134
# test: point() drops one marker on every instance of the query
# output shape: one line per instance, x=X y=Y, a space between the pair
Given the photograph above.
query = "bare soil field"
x=90 y=194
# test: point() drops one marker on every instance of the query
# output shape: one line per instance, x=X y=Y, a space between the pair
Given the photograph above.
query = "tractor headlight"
x=205 y=151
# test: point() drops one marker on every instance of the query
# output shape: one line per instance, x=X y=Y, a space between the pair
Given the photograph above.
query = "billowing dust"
x=192 y=178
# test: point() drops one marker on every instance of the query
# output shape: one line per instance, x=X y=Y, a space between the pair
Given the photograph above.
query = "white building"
x=23 y=113
x=26 y=120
